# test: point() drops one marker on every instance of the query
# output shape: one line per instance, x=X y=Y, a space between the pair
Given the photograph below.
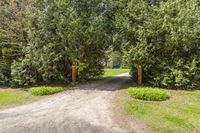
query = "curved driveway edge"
x=84 y=109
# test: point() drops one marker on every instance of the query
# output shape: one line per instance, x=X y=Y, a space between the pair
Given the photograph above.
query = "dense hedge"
x=60 y=33
x=164 y=38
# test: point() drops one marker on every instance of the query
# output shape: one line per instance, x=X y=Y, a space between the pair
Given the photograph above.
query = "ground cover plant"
x=148 y=93
x=11 y=97
x=45 y=90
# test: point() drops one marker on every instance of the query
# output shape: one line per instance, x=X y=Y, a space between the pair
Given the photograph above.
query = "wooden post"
x=139 y=74
x=73 y=72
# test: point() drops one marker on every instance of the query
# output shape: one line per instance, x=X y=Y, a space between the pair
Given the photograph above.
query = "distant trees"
x=115 y=58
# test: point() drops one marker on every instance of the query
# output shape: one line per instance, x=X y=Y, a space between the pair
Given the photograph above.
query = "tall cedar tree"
x=164 y=37
x=62 y=32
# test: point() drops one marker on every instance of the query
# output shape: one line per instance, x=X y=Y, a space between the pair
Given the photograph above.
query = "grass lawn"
x=179 y=114
x=113 y=72
x=10 y=97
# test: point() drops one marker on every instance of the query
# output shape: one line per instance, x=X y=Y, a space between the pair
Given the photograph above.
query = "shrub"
x=39 y=91
x=152 y=94
x=4 y=73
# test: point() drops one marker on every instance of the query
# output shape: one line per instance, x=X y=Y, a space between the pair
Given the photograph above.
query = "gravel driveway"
x=84 y=109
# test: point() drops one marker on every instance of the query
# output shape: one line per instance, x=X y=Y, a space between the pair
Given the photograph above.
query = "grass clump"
x=44 y=90
x=147 y=93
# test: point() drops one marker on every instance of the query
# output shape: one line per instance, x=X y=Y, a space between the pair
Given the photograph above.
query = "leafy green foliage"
x=164 y=38
x=146 y=93
x=5 y=64
x=62 y=32
x=42 y=64
x=115 y=58
x=13 y=34
x=4 y=74
x=39 y=91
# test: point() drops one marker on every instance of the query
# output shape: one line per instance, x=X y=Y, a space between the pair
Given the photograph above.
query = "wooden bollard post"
x=139 y=74
x=73 y=72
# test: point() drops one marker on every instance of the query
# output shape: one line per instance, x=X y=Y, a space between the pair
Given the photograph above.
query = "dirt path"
x=85 y=109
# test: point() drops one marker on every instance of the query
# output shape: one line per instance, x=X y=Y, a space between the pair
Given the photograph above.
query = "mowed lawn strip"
x=11 y=97
x=109 y=72
x=178 y=114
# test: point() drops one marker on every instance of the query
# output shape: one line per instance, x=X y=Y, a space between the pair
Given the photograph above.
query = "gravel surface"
x=84 y=109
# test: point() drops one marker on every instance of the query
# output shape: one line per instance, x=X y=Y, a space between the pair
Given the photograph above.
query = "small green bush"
x=44 y=90
x=151 y=94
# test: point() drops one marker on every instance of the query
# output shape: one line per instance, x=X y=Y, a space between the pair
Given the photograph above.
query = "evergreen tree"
x=62 y=32
x=13 y=34
x=164 y=38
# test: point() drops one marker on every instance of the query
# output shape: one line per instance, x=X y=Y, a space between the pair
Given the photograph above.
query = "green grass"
x=12 y=97
x=179 y=114
x=44 y=90
x=148 y=93
x=113 y=72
